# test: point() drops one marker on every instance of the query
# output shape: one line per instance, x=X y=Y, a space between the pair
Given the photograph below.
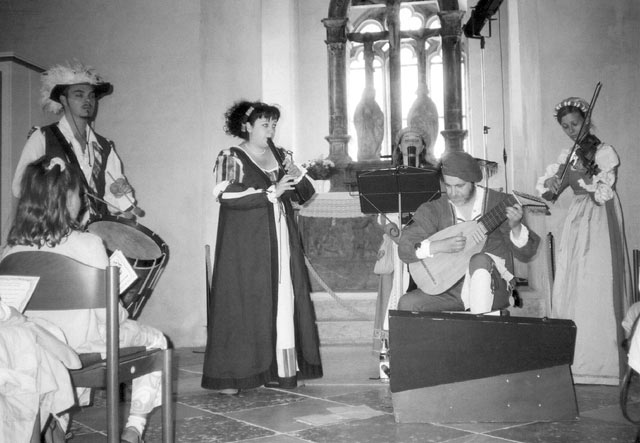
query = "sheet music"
x=127 y=273
x=16 y=290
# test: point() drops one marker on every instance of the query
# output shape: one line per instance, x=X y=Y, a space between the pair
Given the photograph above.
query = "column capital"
x=338 y=149
x=451 y=23
x=336 y=29
x=454 y=139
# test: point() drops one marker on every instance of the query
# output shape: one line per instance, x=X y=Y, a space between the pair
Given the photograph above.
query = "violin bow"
x=580 y=136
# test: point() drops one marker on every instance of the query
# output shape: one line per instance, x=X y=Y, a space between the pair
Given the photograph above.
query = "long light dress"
x=591 y=285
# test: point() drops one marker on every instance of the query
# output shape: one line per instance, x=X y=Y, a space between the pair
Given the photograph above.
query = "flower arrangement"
x=319 y=168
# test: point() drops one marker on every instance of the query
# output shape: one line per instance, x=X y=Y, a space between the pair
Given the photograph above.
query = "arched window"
x=368 y=24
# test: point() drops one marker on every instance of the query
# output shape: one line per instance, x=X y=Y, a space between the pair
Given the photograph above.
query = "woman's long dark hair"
x=42 y=217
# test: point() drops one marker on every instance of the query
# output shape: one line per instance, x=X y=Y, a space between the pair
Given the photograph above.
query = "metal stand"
x=397 y=190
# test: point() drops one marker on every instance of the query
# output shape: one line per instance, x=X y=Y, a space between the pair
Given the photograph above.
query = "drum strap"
x=57 y=145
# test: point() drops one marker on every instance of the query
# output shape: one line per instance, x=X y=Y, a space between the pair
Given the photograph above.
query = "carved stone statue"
x=424 y=115
x=369 y=122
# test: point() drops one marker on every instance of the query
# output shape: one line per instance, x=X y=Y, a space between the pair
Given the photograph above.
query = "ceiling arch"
x=340 y=8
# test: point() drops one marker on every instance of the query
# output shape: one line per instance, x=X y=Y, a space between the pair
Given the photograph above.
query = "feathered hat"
x=58 y=77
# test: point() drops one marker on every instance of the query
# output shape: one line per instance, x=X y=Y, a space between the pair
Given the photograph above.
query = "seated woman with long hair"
x=46 y=220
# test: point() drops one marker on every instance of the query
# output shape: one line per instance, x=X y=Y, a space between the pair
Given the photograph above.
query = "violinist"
x=591 y=285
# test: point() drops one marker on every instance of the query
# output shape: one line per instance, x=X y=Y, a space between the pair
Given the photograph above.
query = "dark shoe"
x=283 y=383
x=131 y=435
x=517 y=300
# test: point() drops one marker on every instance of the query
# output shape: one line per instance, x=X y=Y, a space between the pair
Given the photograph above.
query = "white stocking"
x=481 y=296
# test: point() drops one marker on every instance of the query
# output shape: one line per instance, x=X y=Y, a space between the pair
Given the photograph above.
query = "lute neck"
x=496 y=215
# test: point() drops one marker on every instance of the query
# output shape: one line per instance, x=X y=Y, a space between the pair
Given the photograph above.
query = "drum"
x=145 y=251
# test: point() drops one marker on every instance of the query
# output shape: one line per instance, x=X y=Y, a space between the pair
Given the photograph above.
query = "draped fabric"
x=591 y=285
x=33 y=376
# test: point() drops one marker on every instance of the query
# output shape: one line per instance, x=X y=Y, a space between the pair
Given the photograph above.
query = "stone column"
x=395 y=80
x=338 y=137
x=451 y=32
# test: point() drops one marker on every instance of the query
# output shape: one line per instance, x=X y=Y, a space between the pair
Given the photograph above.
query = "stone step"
x=348 y=306
x=350 y=332
x=346 y=321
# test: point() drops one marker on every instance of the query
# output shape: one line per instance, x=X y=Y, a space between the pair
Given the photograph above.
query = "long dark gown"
x=242 y=329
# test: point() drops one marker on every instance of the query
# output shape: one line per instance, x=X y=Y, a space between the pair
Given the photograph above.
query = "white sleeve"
x=32 y=151
x=550 y=171
x=608 y=161
x=424 y=250
x=521 y=240
x=603 y=183
x=113 y=171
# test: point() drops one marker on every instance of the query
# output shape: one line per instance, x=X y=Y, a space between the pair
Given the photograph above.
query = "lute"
x=436 y=274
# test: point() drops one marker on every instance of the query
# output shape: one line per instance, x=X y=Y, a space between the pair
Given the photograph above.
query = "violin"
x=586 y=153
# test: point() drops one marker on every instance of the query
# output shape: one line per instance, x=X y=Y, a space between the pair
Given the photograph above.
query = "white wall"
x=313 y=81
x=19 y=92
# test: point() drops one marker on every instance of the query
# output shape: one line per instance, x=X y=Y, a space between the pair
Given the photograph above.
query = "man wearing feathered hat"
x=74 y=91
x=488 y=282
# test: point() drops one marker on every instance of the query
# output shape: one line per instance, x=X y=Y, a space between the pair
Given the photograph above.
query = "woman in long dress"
x=591 y=285
x=262 y=328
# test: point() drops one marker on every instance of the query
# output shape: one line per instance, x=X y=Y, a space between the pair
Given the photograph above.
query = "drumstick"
x=136 y=210
x=120 y=212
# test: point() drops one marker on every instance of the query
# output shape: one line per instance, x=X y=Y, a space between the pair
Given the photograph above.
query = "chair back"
x=65 y=283
x=68 y=284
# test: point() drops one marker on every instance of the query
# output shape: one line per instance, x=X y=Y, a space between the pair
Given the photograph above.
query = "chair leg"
x=113 y=413
x=167 y=397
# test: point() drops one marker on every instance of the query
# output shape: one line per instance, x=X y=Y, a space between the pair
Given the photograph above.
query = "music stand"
x=397 y=190
x=400 y=189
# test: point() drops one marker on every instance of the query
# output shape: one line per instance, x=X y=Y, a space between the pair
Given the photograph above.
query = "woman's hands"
x=552 y=184
x=291 y=168
x=286 y=183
